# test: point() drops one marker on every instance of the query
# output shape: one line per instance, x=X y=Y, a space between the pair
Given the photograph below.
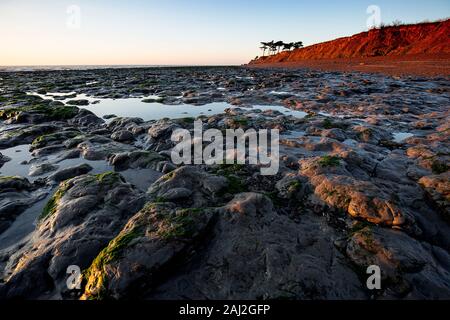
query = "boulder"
x=42 y=168
x=410 y=269
x=437 y=187
x=83 y=215
x=136 y=159
x=71 y=172
x=189 y=184
x=244 y=250
x=16 y=195
x=122 y=136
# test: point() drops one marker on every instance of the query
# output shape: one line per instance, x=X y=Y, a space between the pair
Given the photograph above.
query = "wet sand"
x=363 y=180
x=434 y=65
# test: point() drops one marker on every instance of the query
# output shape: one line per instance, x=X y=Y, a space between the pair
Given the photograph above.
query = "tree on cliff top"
x=264 y=47
x=288 y=46
x=298 y=45
x=278 y=45
x=275 y=47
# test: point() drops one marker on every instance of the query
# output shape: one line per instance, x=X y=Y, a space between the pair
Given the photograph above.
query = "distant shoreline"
x=425 y=65
x=99 y=67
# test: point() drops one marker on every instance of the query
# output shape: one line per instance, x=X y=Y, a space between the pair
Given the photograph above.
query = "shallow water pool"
x=401 y=136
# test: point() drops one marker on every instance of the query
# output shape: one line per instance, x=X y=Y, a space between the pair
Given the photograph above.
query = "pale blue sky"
x=184 y=32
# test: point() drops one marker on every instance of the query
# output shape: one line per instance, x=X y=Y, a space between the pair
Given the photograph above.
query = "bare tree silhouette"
x=272 y=47
x=275 y=47
x=288 y=46
x=264 y=47
x=278 y=45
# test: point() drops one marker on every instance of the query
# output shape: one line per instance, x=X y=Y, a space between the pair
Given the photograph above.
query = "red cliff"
x=392 y=41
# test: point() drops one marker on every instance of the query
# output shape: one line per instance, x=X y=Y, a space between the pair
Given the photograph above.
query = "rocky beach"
x=419 y=49
x=86 y=179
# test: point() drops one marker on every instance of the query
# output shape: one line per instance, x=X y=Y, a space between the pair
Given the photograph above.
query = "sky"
x=182 y=32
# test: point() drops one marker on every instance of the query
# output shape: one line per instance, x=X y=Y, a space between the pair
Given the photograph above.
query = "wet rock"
x=162 y=128
x=55 y=138
x=3 y=159
x=198 y=101
x=69 y=154
x=437 y=188
x=84 y=214
x=371 y=135
x=14 y=184
x=71 y=172
x=137 y=159
x=334 y=133
x=165 y=167
x=159 y=135
x=109 y=116
x=40 y=169
x=161 y=235
x=86 y=118
x=100 y=148
x=128 y=124
x=336 y=187
x=430 y=154
x=203 y=187
x=151 y=241
x=71 y=143
x=153 y=100
x=342 y=174
x=36 y=113
x=410 y=270
x=47 y=150
x=393 y=167
x=292 y=186
x=80 y=102
x=122 y=136
x=16 y=195
x=24 y=135
x=272 y=113
x=177 y=194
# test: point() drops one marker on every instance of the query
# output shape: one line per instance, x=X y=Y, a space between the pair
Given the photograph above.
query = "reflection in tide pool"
x=285 y=111
x=17 y=155
x=401 y=136
x=292 y=135
x=22 y=161
x=134 y=107
x=20 y=164
x=24 y=225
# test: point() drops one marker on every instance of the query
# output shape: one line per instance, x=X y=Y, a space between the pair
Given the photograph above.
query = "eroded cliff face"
x=424 y=38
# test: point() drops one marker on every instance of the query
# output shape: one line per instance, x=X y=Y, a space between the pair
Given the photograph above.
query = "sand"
x=427 y=65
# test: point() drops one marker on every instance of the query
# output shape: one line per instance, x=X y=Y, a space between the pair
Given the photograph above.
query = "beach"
x=87 y=179
x=425 y=65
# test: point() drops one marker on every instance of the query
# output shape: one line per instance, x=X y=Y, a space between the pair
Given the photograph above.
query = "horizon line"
x=119 y=65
